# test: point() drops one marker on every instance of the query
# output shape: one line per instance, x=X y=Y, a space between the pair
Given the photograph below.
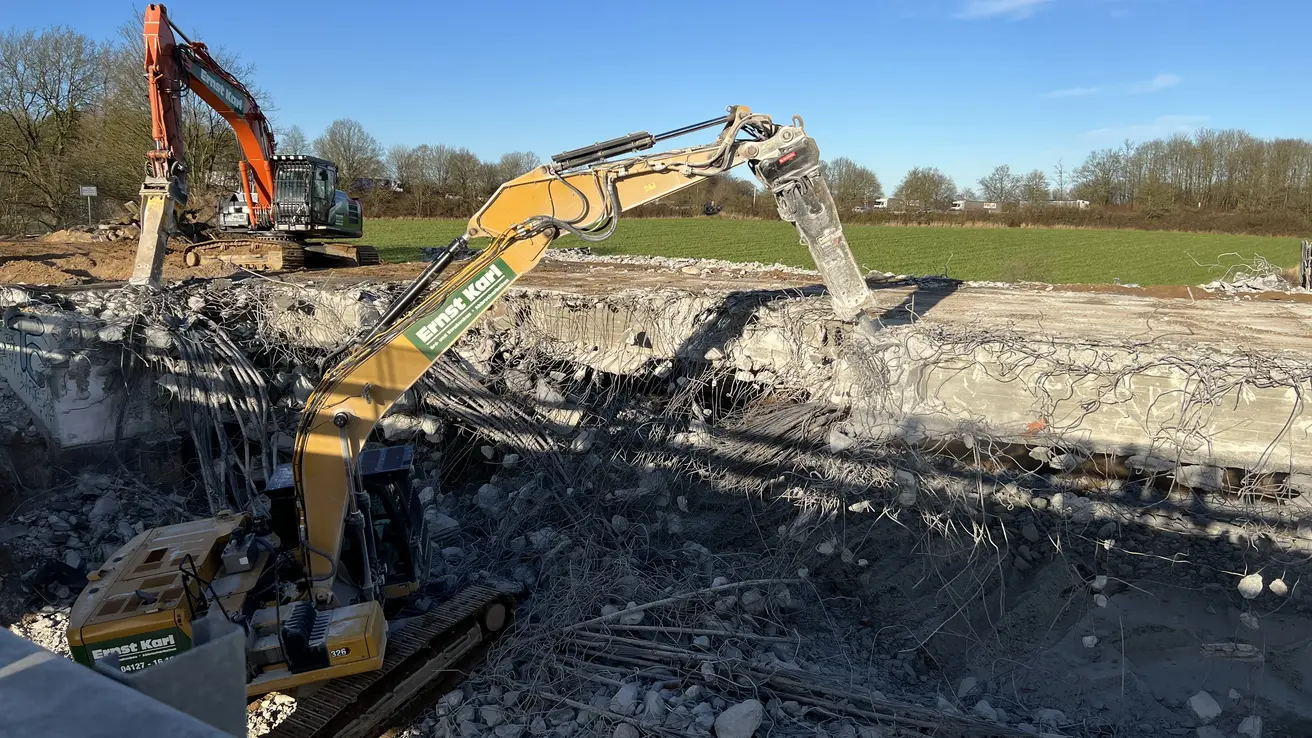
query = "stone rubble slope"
x=694 y=561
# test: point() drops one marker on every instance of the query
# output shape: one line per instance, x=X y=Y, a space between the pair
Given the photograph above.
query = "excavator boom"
x=172 y=68
x=581 y=194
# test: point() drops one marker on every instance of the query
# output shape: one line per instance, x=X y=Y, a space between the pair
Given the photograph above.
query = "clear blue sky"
x=963 y=85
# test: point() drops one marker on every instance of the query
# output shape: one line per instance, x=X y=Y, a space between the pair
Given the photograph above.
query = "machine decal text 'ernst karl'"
x=144 y=646
x=461 y=303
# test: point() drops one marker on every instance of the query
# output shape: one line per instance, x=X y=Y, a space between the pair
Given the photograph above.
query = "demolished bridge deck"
x=1257 y=321
x=1177 y=378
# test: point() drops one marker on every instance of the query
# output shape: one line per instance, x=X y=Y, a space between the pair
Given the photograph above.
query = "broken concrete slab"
x=70 y=380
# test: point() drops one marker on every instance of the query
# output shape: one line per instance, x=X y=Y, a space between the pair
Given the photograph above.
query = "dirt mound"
x=67 y=237
x=77 y=260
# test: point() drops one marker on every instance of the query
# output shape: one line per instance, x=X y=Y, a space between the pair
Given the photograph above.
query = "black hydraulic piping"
x=689 y=129
x=421 y=283
x=625 y=145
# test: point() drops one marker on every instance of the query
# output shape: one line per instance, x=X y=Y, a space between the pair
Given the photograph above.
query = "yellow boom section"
x=583 y=193
x=355 y=394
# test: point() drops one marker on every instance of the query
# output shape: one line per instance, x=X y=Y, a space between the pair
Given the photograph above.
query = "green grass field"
x=1060 y=256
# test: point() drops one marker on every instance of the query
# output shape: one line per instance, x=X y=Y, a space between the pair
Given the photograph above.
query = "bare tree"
x=357 y=154
x=114 y=139
x=1059 y=171
x=1000 y=185
x=402 y=163
x=926 y=188
x=436 y=165
x=413 y=168
x=464 y=172
x=1034 y=187
x=967 y=194
x=1099 y=178
x=48 y=82
x=292 y=141
x=516 y=163
x=493 y=174
x=851 y=184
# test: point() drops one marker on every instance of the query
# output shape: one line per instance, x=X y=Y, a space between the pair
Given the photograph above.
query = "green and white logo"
x=435 y=332
x=140 y=651
x=230 y=95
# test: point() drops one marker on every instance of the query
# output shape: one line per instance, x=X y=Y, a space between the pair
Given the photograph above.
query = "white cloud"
x=1156 y=84
x=1015 y=9
x=1163 y=126
x=1161 y=82
x=1075 y=92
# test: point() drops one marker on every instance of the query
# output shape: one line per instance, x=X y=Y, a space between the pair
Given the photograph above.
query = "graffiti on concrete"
x=23 y=346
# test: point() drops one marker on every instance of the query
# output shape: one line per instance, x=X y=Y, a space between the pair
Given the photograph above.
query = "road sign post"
x=88 y=191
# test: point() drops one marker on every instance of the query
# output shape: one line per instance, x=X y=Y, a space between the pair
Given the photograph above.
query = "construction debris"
x=694 y=553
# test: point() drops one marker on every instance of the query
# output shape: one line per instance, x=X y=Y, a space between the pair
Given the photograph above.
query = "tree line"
x=1210 y=170
x=75 y=111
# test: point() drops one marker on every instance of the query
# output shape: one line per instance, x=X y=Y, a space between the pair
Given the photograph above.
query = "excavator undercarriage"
x=427 y=656
x=266 y=254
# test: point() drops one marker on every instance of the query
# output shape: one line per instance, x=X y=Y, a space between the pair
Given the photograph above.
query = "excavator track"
x=278 y=255
x=256 y=254
x=341 y=254
x=425 y=658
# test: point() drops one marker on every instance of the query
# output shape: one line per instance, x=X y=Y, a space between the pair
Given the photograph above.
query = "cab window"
x=322 y=186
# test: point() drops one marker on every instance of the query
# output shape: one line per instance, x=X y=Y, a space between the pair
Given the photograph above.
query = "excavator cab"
x=306 y=199
x=306 y=202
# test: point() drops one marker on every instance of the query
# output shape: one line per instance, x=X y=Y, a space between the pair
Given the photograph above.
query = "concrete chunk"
x=624 y=700
x=1204 y=707
x=740 y=721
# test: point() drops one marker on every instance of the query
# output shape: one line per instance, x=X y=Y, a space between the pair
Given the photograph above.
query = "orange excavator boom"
x=171 y=69
x=283 y=201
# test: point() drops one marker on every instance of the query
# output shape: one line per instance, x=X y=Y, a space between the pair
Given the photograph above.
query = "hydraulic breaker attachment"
x=804 y=200
x=160 y=198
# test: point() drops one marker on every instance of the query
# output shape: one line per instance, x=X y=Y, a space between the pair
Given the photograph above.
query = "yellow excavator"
x=319 y=578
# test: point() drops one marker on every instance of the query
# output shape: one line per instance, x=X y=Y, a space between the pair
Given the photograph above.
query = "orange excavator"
x=283 y=201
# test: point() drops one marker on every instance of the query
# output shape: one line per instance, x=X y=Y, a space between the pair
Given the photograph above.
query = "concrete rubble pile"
x=60 y=536
x=126 y=226
x=727 y=517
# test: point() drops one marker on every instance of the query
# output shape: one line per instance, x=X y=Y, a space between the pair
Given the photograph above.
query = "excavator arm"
x=172 y=68
x=581 y=193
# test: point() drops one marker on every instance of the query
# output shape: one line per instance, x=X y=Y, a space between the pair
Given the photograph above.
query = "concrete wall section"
x=69 y=380
x=1194 y=382
x=25 y=364
x=1192 y=407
